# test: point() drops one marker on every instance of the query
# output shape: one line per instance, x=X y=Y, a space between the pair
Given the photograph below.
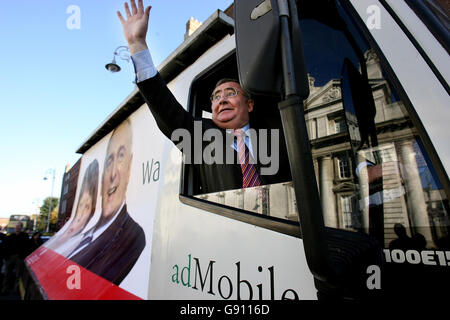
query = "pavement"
x=10 y=297
x=13 y=295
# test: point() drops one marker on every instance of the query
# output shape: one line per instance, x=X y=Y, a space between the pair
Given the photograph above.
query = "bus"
x=14 y=219
x=358 y=88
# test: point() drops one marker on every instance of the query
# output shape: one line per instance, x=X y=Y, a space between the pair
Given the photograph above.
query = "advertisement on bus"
x=104 y=250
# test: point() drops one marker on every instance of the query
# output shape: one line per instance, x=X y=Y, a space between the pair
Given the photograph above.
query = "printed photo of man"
x=111 y=248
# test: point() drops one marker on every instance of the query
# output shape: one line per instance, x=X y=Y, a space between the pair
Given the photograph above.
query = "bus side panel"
x=199 y=255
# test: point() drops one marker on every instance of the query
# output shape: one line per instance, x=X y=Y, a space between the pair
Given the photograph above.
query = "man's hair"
x=225 y=80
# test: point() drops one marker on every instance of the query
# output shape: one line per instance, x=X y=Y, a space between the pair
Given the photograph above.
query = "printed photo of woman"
x=87 y=200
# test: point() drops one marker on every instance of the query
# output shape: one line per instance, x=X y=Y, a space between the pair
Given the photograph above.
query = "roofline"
x=214 y=29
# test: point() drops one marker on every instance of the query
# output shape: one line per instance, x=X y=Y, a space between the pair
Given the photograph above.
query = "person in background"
x=17 y=248
x=36 y=241
x=2 y=255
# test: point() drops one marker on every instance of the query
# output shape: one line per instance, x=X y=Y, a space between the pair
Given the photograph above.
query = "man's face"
x=116 y=172
x=230 y=112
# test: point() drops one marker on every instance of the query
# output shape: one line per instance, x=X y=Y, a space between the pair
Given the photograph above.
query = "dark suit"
x=170 y=115
x=113 y=254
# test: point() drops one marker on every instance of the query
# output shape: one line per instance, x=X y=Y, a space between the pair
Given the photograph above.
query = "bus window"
x=274 y=198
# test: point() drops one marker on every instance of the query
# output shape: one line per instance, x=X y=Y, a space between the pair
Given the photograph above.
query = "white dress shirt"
x=143 y=65
x=247 y=139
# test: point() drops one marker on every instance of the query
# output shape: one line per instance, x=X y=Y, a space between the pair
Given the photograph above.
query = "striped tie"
x=250 y=177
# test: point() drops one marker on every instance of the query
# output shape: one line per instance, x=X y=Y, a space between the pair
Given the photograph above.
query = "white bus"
x=359 y=88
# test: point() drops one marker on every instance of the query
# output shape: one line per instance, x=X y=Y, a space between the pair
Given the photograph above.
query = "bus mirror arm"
x=300 y=158
x=337 y=258
x=306 y=193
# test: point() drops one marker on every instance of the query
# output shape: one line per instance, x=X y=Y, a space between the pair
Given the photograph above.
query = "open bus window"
x=275 y=196
x=373 y=171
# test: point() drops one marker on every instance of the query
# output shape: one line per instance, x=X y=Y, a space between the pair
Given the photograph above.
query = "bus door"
x=377 y=172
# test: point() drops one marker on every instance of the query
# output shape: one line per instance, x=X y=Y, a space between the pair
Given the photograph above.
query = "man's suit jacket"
x=170 y=115
x=113 y=254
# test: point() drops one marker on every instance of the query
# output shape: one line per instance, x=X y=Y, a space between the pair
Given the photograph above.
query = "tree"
x=46 y=205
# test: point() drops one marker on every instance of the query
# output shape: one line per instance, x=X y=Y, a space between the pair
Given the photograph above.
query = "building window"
x=344 y=167
x=63 y=206
x=339 y=125
x=349 y=212
x=66 y=188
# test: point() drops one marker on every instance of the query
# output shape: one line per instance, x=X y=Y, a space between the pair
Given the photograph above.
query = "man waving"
x=231 y=107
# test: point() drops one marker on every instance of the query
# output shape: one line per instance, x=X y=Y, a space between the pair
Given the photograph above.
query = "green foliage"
x=48 y=203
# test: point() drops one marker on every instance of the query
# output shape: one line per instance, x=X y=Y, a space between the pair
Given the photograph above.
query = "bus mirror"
x=257 y=30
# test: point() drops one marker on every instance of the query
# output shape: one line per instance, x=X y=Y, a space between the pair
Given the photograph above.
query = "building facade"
x=68 y=190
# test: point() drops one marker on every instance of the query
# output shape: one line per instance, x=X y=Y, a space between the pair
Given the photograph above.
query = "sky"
x=55 y=90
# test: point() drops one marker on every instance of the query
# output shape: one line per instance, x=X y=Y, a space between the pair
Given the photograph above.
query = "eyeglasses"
x=227 y=93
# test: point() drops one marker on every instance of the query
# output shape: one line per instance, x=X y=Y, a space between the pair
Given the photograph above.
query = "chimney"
x=191 y=26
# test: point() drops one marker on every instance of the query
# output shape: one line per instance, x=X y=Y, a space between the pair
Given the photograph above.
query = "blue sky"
x=54 y=89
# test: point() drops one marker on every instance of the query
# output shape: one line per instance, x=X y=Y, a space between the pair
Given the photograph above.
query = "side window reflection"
x=275 y=200
x=373 y=172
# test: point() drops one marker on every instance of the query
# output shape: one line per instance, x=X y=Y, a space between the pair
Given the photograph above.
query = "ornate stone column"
x=414 y=191
x=327 y=197
x=363 y=180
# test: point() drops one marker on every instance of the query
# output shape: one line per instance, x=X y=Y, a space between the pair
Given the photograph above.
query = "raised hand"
x=136 y=25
